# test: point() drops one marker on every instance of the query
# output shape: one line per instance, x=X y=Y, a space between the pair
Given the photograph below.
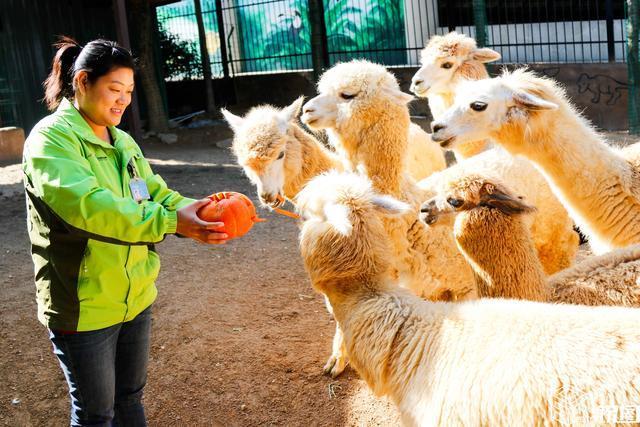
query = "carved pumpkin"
x=234 y=209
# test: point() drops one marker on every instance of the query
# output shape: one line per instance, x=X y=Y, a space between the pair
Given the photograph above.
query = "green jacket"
x=91 y=243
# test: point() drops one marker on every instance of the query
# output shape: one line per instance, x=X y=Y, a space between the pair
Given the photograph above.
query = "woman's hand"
x=190 y=225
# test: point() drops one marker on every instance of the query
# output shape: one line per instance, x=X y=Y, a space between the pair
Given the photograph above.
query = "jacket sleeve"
x=62 y=178
x=159 y=191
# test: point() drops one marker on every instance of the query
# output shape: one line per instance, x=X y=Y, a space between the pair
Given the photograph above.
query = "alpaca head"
x=354 y=95
x=263 y=145
x=490 y=107
x=447 y=59
x=342 y=234
x=469 y=193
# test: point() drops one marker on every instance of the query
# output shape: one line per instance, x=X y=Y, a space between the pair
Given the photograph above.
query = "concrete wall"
x=600 y=90
x=11 y=144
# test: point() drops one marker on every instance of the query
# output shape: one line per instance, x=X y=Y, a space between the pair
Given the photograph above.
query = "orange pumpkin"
x=234 y=209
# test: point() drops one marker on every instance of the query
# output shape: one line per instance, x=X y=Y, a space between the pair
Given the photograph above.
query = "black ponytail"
x=96 y=58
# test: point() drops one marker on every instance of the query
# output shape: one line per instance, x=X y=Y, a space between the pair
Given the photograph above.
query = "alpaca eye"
x=447 y=65
x=281 y=155
x=456 y=203
x=347 y=96
x=478 y=106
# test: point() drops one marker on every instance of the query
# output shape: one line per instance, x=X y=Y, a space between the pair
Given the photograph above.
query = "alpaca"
x=447 y=60
x=366 y=117
x=488 y=362
x=531 y=116
x=491 y=232
x=279 y=157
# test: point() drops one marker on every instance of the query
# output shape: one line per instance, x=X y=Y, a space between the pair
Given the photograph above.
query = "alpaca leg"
x=338 y=359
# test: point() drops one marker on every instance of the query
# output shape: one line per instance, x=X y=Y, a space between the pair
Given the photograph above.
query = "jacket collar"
x=80 y=127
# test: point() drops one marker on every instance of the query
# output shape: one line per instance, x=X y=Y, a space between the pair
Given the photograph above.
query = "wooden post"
x=319 y=49
x=204 y=57
x=122 y=31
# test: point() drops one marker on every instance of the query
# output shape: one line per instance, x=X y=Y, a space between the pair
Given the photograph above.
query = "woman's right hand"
x=190 y=225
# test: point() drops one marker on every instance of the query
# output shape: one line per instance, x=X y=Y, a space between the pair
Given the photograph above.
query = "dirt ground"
x=239 y=337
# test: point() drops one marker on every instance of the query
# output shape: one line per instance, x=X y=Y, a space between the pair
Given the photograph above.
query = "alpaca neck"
x=378 y=346
x=593 y=182
x=312 y=160
x=471 y=148
x=378 y=149
x=499 y=249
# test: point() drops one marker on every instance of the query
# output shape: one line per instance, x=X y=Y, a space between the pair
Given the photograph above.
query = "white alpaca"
x=446 y=61
x=488 y=362
x=279 y=157
x=531 y=116
x=454 y=58
x=491 y=232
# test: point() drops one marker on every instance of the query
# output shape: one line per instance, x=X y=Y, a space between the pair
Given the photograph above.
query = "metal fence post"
x=319 y=49
x=633 y=64
x=611 y=44
x=480 y=21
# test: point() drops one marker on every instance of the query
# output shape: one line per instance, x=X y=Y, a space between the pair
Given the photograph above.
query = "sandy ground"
x=239 y=337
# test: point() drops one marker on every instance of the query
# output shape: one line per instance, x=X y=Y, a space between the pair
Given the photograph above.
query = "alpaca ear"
x=533 y=103
x=234 y=121
x=506 y=203
x=338 y=217
x=292 y=111
x=485 y=55
x=399 y=96
x=389 y=206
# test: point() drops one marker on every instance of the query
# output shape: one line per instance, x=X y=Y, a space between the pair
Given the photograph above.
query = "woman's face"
x=105 y=100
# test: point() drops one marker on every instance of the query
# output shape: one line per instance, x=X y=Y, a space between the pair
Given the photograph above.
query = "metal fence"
x=275 y=35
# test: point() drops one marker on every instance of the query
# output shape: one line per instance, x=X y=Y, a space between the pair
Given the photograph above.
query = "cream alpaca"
x=280 y=157
x=446 y=61
x=531 y=116
x=366 y=116
x=492 y=234
x=277 y=155
x=487 y=362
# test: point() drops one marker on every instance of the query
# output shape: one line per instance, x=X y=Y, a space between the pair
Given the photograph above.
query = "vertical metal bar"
x=633 y=64
x=480 y=21
x=611 y=45
x=223 y=40
x=319 y=51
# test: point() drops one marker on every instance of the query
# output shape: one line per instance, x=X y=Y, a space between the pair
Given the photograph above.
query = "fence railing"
x=275 y=35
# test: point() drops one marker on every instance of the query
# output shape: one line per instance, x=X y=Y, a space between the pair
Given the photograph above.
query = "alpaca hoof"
x=335 y=366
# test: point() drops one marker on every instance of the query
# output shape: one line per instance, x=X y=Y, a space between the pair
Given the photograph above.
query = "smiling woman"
x=95 y=209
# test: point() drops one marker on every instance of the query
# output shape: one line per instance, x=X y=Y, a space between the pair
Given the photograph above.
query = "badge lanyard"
x=138 y=186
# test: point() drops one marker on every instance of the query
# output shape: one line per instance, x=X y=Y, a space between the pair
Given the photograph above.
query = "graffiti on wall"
x=600 y=85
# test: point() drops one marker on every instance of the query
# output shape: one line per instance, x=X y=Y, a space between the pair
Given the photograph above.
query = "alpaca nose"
x=435 y=127
x=308 y=109
x=417 y=82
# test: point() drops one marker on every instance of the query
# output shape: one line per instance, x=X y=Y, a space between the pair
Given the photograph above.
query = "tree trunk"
x=204 y=58
x=142 y=18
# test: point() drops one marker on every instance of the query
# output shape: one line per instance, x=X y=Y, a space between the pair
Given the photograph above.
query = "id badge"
x=139 y=190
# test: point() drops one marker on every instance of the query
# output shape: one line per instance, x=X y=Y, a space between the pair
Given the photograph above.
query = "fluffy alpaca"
x=487 y=362
x=531 y=116
x=366 y=116
x=491 y=232
x=367 y=120
x=279 y=157
x=446 y=61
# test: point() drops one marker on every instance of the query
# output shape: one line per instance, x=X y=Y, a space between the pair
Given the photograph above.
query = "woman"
x=95 y=210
